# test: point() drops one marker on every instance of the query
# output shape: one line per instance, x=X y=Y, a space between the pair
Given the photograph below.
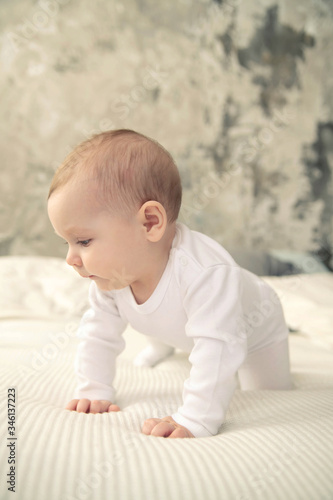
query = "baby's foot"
x=153 y=354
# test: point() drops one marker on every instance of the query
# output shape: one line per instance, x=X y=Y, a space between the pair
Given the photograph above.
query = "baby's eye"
x=84 y=243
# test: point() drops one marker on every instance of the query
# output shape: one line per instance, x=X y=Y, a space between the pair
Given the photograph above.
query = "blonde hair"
x=129 y=169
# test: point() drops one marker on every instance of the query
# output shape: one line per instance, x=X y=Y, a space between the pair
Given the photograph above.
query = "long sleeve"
x=213 y=306
x=101 y=342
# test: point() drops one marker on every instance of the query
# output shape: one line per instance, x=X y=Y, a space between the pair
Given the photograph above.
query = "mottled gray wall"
x=241 y=93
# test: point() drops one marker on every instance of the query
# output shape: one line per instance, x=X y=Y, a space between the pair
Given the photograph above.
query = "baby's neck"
x=144 y=288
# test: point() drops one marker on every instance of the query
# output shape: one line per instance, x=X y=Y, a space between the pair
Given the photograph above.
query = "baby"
x=115 y=200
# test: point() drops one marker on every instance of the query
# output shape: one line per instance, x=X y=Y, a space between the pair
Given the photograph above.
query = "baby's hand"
x=95 y=406
x=165 y=427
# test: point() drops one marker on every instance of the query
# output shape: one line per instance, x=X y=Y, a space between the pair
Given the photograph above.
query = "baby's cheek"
x=96 y=265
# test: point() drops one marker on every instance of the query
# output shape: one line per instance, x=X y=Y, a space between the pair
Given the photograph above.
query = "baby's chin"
x=107 y=285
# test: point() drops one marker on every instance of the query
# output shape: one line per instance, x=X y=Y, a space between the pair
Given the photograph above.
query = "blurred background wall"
x=239 y=91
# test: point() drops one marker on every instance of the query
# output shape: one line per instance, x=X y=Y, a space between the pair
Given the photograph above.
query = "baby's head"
x=115 y=200
x=128 y=170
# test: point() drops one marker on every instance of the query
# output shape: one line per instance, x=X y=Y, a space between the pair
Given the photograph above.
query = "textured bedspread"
x=273 y=444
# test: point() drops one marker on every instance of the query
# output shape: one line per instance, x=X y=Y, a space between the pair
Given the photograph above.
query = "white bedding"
x=273 y=444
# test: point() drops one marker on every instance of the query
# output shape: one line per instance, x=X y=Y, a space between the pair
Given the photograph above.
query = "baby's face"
x=103 y=247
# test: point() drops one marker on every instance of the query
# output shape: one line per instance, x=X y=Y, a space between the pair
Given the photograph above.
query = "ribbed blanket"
x=274 y=445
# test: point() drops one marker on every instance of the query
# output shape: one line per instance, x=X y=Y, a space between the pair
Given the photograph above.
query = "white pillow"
x=307 y=301
x=41 y=287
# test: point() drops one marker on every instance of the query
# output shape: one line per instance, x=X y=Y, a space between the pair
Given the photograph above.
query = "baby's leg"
x=267 y=368
x=155 y=352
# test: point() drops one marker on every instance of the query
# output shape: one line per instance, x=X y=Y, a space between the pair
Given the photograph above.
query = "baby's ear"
x=153 y=217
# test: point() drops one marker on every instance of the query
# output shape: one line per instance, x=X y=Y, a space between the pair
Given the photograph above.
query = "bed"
x=272 y=445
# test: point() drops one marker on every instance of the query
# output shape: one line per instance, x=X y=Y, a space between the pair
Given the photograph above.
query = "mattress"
x=272 y=445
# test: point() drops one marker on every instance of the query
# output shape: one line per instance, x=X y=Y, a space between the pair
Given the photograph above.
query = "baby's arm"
x=207 y=392
x=213 y=309
x=211 y=385
x=101 y=342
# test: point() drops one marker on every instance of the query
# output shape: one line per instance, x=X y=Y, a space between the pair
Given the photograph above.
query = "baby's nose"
x=73 y=259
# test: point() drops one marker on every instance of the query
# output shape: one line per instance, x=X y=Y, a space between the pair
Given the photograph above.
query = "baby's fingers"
x=102 y=406
x=80 y=405
x=113 y=408
x=149 y=425
x=72 y=405
x=181 y=432
x=157 y=427
x=83 y=406
x=163 y=429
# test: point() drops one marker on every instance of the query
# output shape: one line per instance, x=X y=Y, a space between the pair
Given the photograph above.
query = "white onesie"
x=204 y=304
